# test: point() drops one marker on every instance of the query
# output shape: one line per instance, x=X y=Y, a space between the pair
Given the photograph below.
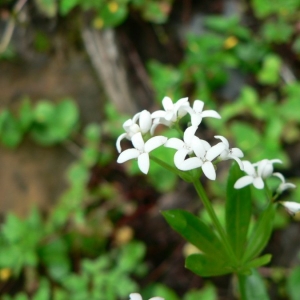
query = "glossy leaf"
x=238 y=211
x=195 y=231
x=260 y=234
x=206 y=266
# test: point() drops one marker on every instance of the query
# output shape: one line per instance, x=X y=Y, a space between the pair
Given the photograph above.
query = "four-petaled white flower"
x=136 y=296
x=172 y=111
x=264 y=170
x=131 y=128
x=292 y=207
x=283 y=185
x=222 y=150
x=197 y=113
x=141 y=150
x=190 y=145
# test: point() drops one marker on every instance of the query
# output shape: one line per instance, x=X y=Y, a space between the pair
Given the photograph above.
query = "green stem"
x=242 y=286
x=184 y=175
x=201 y=193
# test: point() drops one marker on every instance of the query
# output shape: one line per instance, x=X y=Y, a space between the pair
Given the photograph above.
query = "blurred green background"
x=74 y=223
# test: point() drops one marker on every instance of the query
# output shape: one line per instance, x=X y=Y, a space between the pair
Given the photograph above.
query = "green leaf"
x=53 y=123
x=208 y=292
x=258 y=262
x=255 y=286
x=206 y=266
x=111 y=15
x=270 y=72
x=277 y=31
x=56 y=258
x=195 y=231
x=26 y=115
x=260 y=234
x=238 y=211
x=293 y=287
x=10 y=130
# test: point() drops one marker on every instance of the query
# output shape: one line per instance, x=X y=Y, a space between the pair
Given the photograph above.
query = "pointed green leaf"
x=238 y=211
x=206 y=266
x=258 y=262
x=261 y=233
x=195 y=231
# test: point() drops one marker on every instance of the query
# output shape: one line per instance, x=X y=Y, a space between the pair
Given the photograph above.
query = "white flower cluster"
x=136 y=296
x=192 y=152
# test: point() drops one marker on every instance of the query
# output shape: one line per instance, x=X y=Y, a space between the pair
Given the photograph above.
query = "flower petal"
x=284 y=186
x=135 y=296
x=249 y=168
x=190 y=164
x=154 y=143
x=144 y=162
x=157 y=298
x=167 y=103
x=145 y=121
x=118 y=143
x=240 y=163
x=189 y=134
x=292 y=207
x=179 y=157
x=198 y=106
x=280 y=176
x=209 y=170
x=243 y=181
x=258 y=183
x=127 y=155
x=174 y=143
x=196 y=119
x=137 y=141
x=198 y=147
x=211 y=114
x=237 y=152
x=223 y=139
x=158 y=114
x=215 y=151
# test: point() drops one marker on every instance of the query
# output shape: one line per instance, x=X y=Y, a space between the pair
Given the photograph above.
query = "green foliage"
x=260 y=234
x=208 y=292
x=47 y=123
x=196 y=232
x=255 y=286
x=293 y=287
x=113 y=13
x=19 y=242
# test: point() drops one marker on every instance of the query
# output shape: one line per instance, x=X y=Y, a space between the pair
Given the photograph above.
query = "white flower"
x=131 y=128
x=197 y=113
x=136 y=296
x=172 y=110
x=255 y=177
x=222 y=150
x=141 y=150
x=283 y=185
x=292 y=207
x=189 y=146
